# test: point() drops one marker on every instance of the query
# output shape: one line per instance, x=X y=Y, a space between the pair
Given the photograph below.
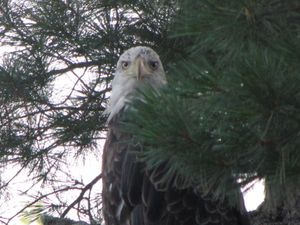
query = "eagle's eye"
x=125 y=64
x=154 y=65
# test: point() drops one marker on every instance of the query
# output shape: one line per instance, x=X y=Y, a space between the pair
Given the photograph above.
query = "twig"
x=38 y=199
x=79 y=198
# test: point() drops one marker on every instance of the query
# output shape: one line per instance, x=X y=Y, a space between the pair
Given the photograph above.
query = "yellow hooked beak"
x=140 y=68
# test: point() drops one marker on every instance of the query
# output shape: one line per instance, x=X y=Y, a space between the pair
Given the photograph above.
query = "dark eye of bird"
x=125 y=64
x=153 y=64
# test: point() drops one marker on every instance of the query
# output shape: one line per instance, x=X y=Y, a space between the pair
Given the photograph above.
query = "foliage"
x=55 y=74
x=231 y=109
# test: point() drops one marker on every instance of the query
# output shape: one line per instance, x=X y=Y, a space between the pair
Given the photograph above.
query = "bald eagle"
x=130 y=195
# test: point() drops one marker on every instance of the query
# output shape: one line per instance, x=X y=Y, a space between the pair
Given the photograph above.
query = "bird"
x=130 y=194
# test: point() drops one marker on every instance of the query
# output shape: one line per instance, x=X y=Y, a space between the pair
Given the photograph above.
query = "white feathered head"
x=137 y=66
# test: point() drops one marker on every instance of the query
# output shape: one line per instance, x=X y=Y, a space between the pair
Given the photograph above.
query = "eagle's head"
x=141 y=64
x=136 y=67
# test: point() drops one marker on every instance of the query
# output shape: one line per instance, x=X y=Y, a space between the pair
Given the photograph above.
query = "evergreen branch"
x=38 y=199
x=89 y=186
x=12 y=178
x=266 y=130
x=74 y=66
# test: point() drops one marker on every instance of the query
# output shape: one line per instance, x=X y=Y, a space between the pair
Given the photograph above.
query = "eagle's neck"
x=122 y=88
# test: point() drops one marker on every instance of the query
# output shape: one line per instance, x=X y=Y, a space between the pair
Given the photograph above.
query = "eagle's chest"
x=114 y=152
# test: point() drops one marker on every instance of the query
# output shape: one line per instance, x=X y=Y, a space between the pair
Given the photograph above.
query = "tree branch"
x=74 y=66
x=38 y=199
x=79 y=198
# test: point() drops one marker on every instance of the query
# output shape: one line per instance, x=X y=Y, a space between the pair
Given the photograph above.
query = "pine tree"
x=42 y=130
x=230 y=111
